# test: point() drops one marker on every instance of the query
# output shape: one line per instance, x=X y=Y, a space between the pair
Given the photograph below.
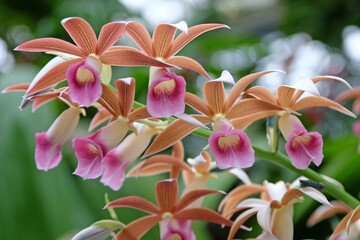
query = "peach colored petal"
x=81 y=32
x=136 y=229
x=140 y=113
x=261 y=93
x=349 y=94
x=214 y=94
x=141 y=37
x=110 y=98
x=134 y=202
x=108 y=36
x=243 y=123
x=126 y=94
x=22 y=87
x=199 y=105
x=239 y=222
x=188 y=63
x=166 y=194
x=285 y=96
x=163 y=36
x=101 y=116
x=202 y=214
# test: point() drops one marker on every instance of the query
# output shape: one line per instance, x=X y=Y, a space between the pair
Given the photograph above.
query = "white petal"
x=329 y=179
x=187 y=118
x=225 y=77
x=92 y=233
x=306 y=85
x=315 y=194
x=276 y=191
x=263 y=218
x=139 y=127
x=126 y=80
x=241 y=174
x=197 y=160
x=252 y=203
x=182 y=26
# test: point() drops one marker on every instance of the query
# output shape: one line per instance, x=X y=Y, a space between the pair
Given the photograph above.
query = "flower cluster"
x=130 y=128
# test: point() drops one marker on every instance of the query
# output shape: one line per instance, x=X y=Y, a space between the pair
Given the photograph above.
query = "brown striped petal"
x=125 y=94
x=192 y=196
x=290 y=195
x=109 y=35
x=130 y=57
x=166 y=192
x=326 y=211
x=22 y=87
x=101 y=116
x=141 y=37
x=193 y=32
x=176 y=131
x=140 y=113
x=315 y=101
x=261 y=93
x=134 y=202
x=136 y=229
x=188 y=63
x=321 y=78
x=51 y=45
x=341 y=226
x=214 y=94
x=163 y=36
x=81 y=33
x=349 y=94
x=54 y=76
x=110 y=99
x=202 y=214
x=285 y=95
x=240 y=86
x=240 y=220
x=199 y=105
x=149 y=170
x=250 y=106
x=243 y=123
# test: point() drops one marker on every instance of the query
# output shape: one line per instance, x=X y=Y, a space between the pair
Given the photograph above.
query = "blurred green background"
x=303 y=38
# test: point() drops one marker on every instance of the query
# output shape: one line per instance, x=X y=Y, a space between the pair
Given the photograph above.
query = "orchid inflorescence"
x=109 y=151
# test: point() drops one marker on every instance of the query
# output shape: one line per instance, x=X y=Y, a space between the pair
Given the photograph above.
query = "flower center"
x=166 y=87
x=301 y=140
x=228 y=141
x=93 y=149
x=167 y=216
x=84 y=75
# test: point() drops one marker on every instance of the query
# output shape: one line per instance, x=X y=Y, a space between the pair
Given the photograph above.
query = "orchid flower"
x=118 y=159
x=274 y=210
x=91 y=150
x=169 y=213
x=351 y=94
x=166 y=95
x=162 y=45
x=215 y=108
x=83 y=69
x=302 y=147
x=350 y=223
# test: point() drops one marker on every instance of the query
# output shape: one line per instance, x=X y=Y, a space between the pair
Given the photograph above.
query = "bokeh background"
x=303 y=38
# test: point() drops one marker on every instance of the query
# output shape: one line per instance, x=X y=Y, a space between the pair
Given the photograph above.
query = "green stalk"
x=283 y=161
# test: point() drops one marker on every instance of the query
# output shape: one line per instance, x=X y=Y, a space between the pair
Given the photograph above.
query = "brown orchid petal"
x=296 y=96
x=349 y=94
x=109 y=35
x=214 y=94
x=176 y=131
x=240 y=86
x=315 y=101
x=262 y=93
x=141 y=37
x=250 y=106
x=163 y=37
x=237 y=195
x=192 y=196
x=178 y=150
x=193 y=32
x=326 y=211
x=150 y=170
x=243 y=123
x=134 y=202
x=285 y=96
x=202 y=214
x=166 y=192
x=136 y=229
x=341 y=226
x=125 y=94
x=321 y=78
x=101 y=116
x=41 y=101
x=290 y=195
x=130 y=57
x=199 y=105
x=104 y=104
x=110 y=98
x=53 y=76
x=240 y=220
x=188 y=63
x=354 y=217
x=205 y=167
x=22 y=87
x=140 y=113
x=81 y=33
x=51 y=45
x=356 y=106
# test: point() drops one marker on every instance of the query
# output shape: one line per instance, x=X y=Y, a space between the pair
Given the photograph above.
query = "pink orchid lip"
x=84 y=81
x=182 y=228
x=304 y=148
x=356 y=128
x=231 y=148
x=166 y=96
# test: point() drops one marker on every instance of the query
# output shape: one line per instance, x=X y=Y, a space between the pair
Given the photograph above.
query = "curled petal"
x=304 y=148
x=232 y=149
x=166 y=95
x=84 y=83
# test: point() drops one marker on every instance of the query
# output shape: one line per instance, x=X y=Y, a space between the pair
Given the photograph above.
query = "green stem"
x=275 y=136
x=283 y=161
